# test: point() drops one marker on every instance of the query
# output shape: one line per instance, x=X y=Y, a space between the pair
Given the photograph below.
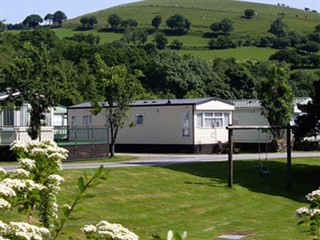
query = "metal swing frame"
x=231 y=145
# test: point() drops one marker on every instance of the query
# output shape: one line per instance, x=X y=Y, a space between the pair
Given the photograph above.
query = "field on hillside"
x=242 y=53
x=194 y=198
x=201 y=15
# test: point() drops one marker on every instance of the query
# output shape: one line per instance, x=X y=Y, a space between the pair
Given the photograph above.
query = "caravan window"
x=186 y=124
x=87 y=120
x=139 y=119
x=8 y=117
x=212 y=119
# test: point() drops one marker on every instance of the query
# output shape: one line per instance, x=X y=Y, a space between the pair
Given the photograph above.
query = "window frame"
x=186 y=124
x=216 y=118
x=137 y=117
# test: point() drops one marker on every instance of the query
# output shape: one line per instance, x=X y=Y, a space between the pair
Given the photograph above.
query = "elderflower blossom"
x=302 y=212
x=27 y=163
x=88 y=229
x=109 y=230
x=55 y=179
x=27 y=231
x=314 y=196
x=4 y=204
x=19 y=146
x=2 y=172
x=21 y=173
x=22 y=184
x=6 y=191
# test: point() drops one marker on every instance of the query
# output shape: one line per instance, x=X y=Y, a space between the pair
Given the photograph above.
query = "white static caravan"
x=175 y=125
x=14 y=124
x=249 y=112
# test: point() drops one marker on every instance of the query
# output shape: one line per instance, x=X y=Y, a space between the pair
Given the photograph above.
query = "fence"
x=83 y=142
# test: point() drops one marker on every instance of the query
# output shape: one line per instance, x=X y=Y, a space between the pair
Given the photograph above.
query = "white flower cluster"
x=21 y=173
x=2 y=172
x=6 y=191
x=4 y=204
x=22 y=184
x=106 y=230
x=314 y=196
x=35 y=150
x=27 y=163
x=21 y=230
x=307 y=212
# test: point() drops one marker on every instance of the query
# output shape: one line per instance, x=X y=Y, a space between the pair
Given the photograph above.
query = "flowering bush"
x=311 y=215
x=108 y=231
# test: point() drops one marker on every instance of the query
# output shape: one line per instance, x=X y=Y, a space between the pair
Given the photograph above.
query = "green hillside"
x=201 y=15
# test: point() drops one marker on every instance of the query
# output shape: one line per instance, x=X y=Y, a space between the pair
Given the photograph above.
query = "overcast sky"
x=15 y=11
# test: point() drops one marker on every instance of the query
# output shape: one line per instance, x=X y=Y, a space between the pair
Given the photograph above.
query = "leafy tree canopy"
x=178 y=23
x=249 y=13
x=59 y=17
x=32 y=20
x=156 y=21
x=309 y=123
x=38 y=82
x=114 y=20
x=119 y=88
x=275 y=94
x=278 y=27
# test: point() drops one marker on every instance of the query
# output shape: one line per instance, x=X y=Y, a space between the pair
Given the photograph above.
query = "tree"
x=49 y=18
x=114 y=20
x=249 y=13
x=174 y=74
x=289 y=56
x=39 y=36
x=225 y=26
x=88 y=22
x=59 y=17
x=178 y=23
x=176 y=44
x=302 y=82
x=276 y=95
x=221 y=42
x=156 y=21
x=160 y=40
x=311 y=47
x=129 y=23
x=38 y=82
x=3 y=26
x=278 y=28
x=308 y=124
x=32 y=20
x=119 y=88
x=140 y=36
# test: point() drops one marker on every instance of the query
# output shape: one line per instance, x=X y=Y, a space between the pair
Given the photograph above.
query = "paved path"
x=167 y=159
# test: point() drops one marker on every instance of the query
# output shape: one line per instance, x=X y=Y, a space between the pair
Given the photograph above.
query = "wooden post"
x=289 y=163
x=230 y=163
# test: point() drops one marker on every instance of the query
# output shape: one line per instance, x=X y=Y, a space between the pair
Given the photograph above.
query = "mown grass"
x=194 y=197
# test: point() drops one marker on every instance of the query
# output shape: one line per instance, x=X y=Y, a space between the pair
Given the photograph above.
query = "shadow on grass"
x=306 y=178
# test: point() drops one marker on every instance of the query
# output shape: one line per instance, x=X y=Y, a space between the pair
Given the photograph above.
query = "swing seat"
x=263 y=171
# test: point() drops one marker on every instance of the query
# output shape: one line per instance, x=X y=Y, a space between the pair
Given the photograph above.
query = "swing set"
x=262 y=165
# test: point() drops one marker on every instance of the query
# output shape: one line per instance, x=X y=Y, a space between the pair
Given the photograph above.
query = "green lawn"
x=194 y=197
